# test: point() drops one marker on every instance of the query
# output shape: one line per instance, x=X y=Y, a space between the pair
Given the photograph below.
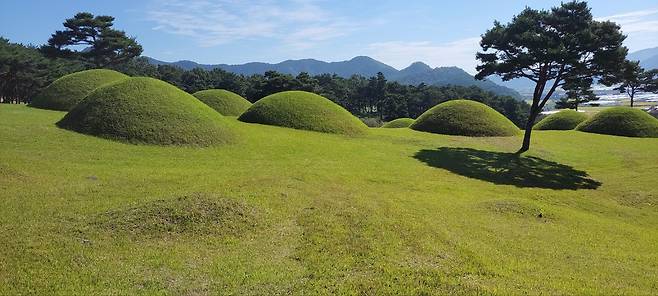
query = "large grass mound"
x=303 y=110
x=150 y=111
x=465 y=118
x=563 y=120
x=399 y=123
x=622 y=121
x=68 y=90
x=223 y=101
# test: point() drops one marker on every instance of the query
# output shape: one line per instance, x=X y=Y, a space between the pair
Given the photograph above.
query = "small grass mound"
x=621 y=121
x=67 y=91
x=147 y=111
x=194 y=215
x=303 y=110
x=563 y=120
x=399 y=123
x=223 y=101
x=465 y=118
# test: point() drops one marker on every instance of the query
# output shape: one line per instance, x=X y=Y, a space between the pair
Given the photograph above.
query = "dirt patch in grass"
x=194 y=214
x=515 y=208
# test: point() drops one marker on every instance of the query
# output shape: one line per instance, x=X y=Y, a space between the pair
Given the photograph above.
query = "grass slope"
x=68 y=90
x=622 y=121
x=146 y=110
x=392 y=212
x=563 y=120
x=225 y=102
x=303 y=110
x=465 y=118
x=399 y=123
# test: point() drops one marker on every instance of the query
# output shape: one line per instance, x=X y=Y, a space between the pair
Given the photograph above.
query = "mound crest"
x=194 y=214
x=303 y=110
x=622 y=121
x=67 y=91
x=223 y=101
x=399 y=123
x=149 y=111
x=465 y=118
x=563 y=120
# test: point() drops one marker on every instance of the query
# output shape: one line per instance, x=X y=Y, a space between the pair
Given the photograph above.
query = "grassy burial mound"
x=399 y=123
x=622 y=121
x=149 y=111
x=68 y=90
x=563 y=120
x=303 y=110
x=225 y=102
x=465 y=118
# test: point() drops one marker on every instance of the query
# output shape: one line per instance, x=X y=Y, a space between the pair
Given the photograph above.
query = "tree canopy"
x=553 y=48
x=101 y=44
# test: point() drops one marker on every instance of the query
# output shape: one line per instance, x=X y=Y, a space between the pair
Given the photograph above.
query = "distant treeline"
x=372 y=97
x=24 y=71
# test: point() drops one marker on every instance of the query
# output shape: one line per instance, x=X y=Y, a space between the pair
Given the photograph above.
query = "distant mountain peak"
x=417 y=72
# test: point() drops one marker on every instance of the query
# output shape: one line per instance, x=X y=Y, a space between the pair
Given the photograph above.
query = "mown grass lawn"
x=289 y=211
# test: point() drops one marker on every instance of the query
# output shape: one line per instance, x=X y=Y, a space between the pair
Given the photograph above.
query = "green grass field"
x=285 y=211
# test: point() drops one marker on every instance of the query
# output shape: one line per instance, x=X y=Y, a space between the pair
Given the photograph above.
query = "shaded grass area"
x=334 y=214
x=507 y=168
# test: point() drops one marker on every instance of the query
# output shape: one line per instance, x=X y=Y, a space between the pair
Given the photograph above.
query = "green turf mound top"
x=149 y=111
x=399 y=123
x=303 y=110
x=621 y=121
x=223 y=101
x=465 y=118
x=68 y=90
x=563 y=120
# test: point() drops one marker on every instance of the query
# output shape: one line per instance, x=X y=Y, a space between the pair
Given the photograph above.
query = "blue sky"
x=439 y=33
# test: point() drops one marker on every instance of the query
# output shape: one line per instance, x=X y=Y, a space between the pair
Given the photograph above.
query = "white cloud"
x=297 y=23
x=400 y=54
x=640 y=26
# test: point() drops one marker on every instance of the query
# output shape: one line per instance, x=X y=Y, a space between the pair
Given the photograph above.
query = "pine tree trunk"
x=528 y=132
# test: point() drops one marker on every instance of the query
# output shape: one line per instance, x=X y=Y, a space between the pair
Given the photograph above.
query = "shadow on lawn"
x=507 y=168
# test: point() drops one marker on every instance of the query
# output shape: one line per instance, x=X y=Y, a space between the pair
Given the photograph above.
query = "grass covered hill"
x=285 y=211
x=563 y=120
x=225 y=102
x=68 y=90
x=622 y=121
x=149 y=111
x=465 y=118
x=399 y=123
x=303 y=110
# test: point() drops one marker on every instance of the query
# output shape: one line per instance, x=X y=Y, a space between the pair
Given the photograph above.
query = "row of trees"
x=365 y=97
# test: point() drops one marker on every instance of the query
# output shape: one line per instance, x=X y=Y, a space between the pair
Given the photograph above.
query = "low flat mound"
x=465 y=118
x=563 y=120
x=303 y=110
x=147 y=111
x=225 y=102
x=68 y=90
x=399 y=123
x=622 y=121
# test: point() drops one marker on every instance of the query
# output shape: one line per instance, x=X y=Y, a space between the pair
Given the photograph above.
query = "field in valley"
x=289 y=211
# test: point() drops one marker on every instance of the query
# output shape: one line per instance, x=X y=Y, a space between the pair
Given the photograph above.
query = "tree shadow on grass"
x=507 y=168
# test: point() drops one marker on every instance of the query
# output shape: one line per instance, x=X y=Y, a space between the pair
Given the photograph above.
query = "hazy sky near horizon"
x=439 y=33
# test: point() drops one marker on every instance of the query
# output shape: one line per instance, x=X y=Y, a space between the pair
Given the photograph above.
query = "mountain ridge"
x=416 y=73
